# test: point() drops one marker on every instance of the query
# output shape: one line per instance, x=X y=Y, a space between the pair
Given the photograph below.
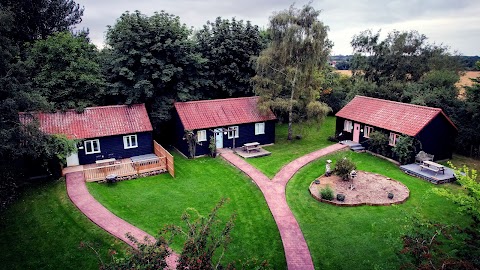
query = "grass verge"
x=43 y=230
x=153 y=202
x=365 y=237
x=314 y=137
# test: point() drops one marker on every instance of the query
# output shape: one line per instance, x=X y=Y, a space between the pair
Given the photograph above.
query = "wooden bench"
x=251 y=146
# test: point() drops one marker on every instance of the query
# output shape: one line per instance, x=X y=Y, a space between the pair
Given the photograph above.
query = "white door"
x=219 y=138
x=72 y=160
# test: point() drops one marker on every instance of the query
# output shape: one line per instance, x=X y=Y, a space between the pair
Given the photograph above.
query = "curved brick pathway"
x=98 y=214
x=296 y=249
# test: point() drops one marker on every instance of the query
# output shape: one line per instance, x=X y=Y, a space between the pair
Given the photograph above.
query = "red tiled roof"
x=399 y=117
x=93 y=122
x=220 y=112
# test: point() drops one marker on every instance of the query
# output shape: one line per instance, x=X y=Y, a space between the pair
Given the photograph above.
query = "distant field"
x=465 y=80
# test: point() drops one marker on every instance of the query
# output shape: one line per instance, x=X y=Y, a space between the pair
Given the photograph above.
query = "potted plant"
x=213 y=147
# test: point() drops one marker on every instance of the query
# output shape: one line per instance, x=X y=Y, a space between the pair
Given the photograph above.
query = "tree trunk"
x=290 y=107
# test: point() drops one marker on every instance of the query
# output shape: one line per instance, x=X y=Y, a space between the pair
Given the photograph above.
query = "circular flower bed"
x=369 y=189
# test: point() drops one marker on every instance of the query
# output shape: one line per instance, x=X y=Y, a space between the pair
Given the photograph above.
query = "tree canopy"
x=229 y=46
x=38 y=19
x=151 y=60
x=401 y=56
x=287 y=68
x=65 y=70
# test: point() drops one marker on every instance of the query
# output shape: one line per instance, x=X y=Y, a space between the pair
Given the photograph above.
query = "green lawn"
x=43 y=230
x=152 y=202
x=365 y=237
x=314 y=137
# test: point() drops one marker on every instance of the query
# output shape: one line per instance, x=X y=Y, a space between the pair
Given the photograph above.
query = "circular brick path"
x=296 y=249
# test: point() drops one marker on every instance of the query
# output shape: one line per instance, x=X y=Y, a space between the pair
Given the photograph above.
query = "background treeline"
x=47 y=65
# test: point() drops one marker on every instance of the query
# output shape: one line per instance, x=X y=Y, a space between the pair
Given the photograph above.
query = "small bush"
x=344 y=167
x=390 y=195
x=326 y=193
x=340 y=197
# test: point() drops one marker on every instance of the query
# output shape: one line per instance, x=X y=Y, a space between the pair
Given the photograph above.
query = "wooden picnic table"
x=251 y=146
x=432 y=166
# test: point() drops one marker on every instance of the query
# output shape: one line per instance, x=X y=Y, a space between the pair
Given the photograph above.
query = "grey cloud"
x=345 y=18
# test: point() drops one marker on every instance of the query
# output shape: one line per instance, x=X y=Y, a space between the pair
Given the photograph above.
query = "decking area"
x=128 y=168
x=416 y=170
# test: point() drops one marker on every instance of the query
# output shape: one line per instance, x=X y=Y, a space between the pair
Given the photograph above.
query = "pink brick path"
x=96 y=212
x=296 y=249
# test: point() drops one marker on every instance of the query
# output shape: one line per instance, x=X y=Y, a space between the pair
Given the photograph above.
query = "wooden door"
x=356 y=132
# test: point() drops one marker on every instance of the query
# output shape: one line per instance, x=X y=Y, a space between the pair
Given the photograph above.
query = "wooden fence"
x=126 y=169
x=161 y=152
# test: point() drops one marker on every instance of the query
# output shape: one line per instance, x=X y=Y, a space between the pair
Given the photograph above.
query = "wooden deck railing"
x=125 y=169
x=161 y=152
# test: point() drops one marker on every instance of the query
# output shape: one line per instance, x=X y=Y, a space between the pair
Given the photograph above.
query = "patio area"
x=259 y=152
x=434 y=177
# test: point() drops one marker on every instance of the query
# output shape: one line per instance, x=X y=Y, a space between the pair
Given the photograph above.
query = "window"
x=392 y=140
x=233 y=132
x=92 y=146
x=202 y=136
x=259 y=128
x=347 y=126
x=130 y=141
x=366 y=131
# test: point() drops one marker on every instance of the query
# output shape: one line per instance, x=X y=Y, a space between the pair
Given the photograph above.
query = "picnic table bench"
x=251 y=146
x=432 y=166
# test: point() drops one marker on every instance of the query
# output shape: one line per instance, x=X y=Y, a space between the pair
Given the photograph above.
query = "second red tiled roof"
x=220 y=112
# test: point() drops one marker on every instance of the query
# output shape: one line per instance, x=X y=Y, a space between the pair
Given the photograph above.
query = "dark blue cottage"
x=430 y=126
x=230 y=122
x=106 y=132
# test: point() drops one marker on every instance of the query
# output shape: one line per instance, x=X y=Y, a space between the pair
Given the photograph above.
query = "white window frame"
x=366 y=131
x=91 y=144
x=233 y=132
x=260 y=128
x=347 y=126
x=128 y=143
x=392 y=139
x=201 y=135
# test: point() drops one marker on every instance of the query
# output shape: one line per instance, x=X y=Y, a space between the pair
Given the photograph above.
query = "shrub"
x=326 y=193
x=341 y=197
x=344 y=167
x=405 y=149
x=378 y=142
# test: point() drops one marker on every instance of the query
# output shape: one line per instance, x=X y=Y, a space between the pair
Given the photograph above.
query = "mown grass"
x=43 y=230
x=314 y=137
x=153 y=202
x=366 y=237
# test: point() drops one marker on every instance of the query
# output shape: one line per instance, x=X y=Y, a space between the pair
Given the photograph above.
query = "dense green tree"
x=298 y=48
x=401 y=56
x=151 y=60
x=65 y=70
x=38 y=19
x=229 y=46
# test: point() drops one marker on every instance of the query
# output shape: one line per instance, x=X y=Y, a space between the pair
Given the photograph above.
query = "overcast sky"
x=455 y=23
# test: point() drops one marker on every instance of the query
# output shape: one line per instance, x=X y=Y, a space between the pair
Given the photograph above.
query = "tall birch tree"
x=287 y=70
